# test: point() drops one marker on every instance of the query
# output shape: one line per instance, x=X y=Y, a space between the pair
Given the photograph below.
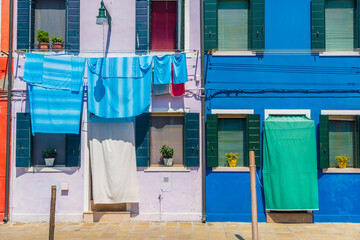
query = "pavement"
x=180 y=230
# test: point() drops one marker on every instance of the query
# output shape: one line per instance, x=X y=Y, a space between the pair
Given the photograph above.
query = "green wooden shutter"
x=191 y=139
x=210 y=24
x=23 y=140
x=25 y=24
x=324 y=141
x=358 y=141
x=142 y=141
x=73 y=25
x=142 y=25
x=253 y=137
x=180 y=25
x=356 y=25
x=212 y=140
x=257 y=22
x=318 y=25
x=73 y=157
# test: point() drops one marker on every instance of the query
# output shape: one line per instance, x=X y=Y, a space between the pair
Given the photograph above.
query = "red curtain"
x=163 y=25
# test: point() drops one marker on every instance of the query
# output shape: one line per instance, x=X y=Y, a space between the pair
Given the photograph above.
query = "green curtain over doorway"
x=290 y=166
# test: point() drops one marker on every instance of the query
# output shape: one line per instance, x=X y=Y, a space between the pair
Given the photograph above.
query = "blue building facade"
x=287 y=78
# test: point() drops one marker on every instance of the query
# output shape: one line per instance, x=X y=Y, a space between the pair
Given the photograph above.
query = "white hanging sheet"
x=113 y=162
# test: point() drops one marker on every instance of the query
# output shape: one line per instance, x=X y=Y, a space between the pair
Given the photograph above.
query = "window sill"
x=235 y=53
x=49 y=169
x=231 y=169
x=166 y=169
x=339 y=54
x=341 y=170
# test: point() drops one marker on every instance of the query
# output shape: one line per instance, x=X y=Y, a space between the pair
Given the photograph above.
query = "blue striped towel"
x=121 y=90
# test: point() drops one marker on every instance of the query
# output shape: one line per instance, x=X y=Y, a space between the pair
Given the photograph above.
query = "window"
x=58 y=17
x=339 y=135
x=163 y=25
x=334 y=25
x=226 y=133
x=234 y=25
x=42 y=141
x=231 y=139
x=28 y=147
x=339 y=25
x=50 y=17
x=177 y=130
x=167 y=130
x=159 y=25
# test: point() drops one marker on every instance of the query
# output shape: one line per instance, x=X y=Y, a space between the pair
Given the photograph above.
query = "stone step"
x=107 y=207
x=276 y=217
x=106 y=216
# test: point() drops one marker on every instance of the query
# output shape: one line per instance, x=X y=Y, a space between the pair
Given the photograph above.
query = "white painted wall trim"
x=34 y=217
x=306 y=112
x=232 y=111
x=166 y=217
x=340 y=112
x=166 y=169
x=187 y=24
x=339 y=54
x=86 y=163
x=169 y=110
x=341 y=170
x=50 y=169
x=231 y=169
x=235 y=53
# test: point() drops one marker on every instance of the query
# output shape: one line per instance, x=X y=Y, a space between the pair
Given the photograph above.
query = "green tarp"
x=290 y=166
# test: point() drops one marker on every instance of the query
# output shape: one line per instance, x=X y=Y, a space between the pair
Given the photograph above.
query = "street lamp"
x=104 y=16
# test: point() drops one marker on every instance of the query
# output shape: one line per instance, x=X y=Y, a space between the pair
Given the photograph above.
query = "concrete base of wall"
x=167 y=217
x=26 y=217
x=289 y=217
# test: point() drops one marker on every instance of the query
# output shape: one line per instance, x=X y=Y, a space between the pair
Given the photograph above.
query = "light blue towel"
x=55 y=111
x=180 y=74
x=33 y=68
x=119 y=91
x=162 y=70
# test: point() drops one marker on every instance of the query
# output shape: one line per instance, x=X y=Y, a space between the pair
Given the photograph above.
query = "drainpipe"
x=8 y=120
x=203 y=140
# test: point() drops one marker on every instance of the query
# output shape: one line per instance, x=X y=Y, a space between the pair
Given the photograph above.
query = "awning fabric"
x=55 y=92
x=118 y=90
x=289 y=164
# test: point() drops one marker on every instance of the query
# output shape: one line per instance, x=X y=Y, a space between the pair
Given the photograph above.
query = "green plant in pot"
x=43 y=38
x=57 y=42
x=49 y=156
x=167 y=154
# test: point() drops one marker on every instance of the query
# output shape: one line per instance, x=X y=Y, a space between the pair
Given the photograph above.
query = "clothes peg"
x=72 y=55
x=26 y=51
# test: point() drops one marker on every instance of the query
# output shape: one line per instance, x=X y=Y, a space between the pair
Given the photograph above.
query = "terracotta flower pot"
x=57 y=45
x=44 y=46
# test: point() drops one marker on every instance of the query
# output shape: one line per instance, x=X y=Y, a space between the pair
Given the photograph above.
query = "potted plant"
x=49 y=156
x=342 y=160
x=43 y=38
x=57 y=42
x=232 y=159
x=167 y=154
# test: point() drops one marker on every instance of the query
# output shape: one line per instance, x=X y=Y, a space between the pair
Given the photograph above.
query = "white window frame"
x=229 y=112
x=306 y=112
x=341 y=113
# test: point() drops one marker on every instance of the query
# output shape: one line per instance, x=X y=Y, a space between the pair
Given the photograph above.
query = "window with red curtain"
x=163 y=25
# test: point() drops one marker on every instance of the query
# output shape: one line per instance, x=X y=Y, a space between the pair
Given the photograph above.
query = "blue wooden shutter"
x=257 y=23
x=73 y=25
x=180 y=25
x=142 y=140
x=253 y=137
x=324 y=141
x=358 y=141
x=23 y=140
x=212 y=140
x=73 y=158
x=191 y=139
x=142 y=38
x=25 y=24
x=210 y=24
x=318 y=25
